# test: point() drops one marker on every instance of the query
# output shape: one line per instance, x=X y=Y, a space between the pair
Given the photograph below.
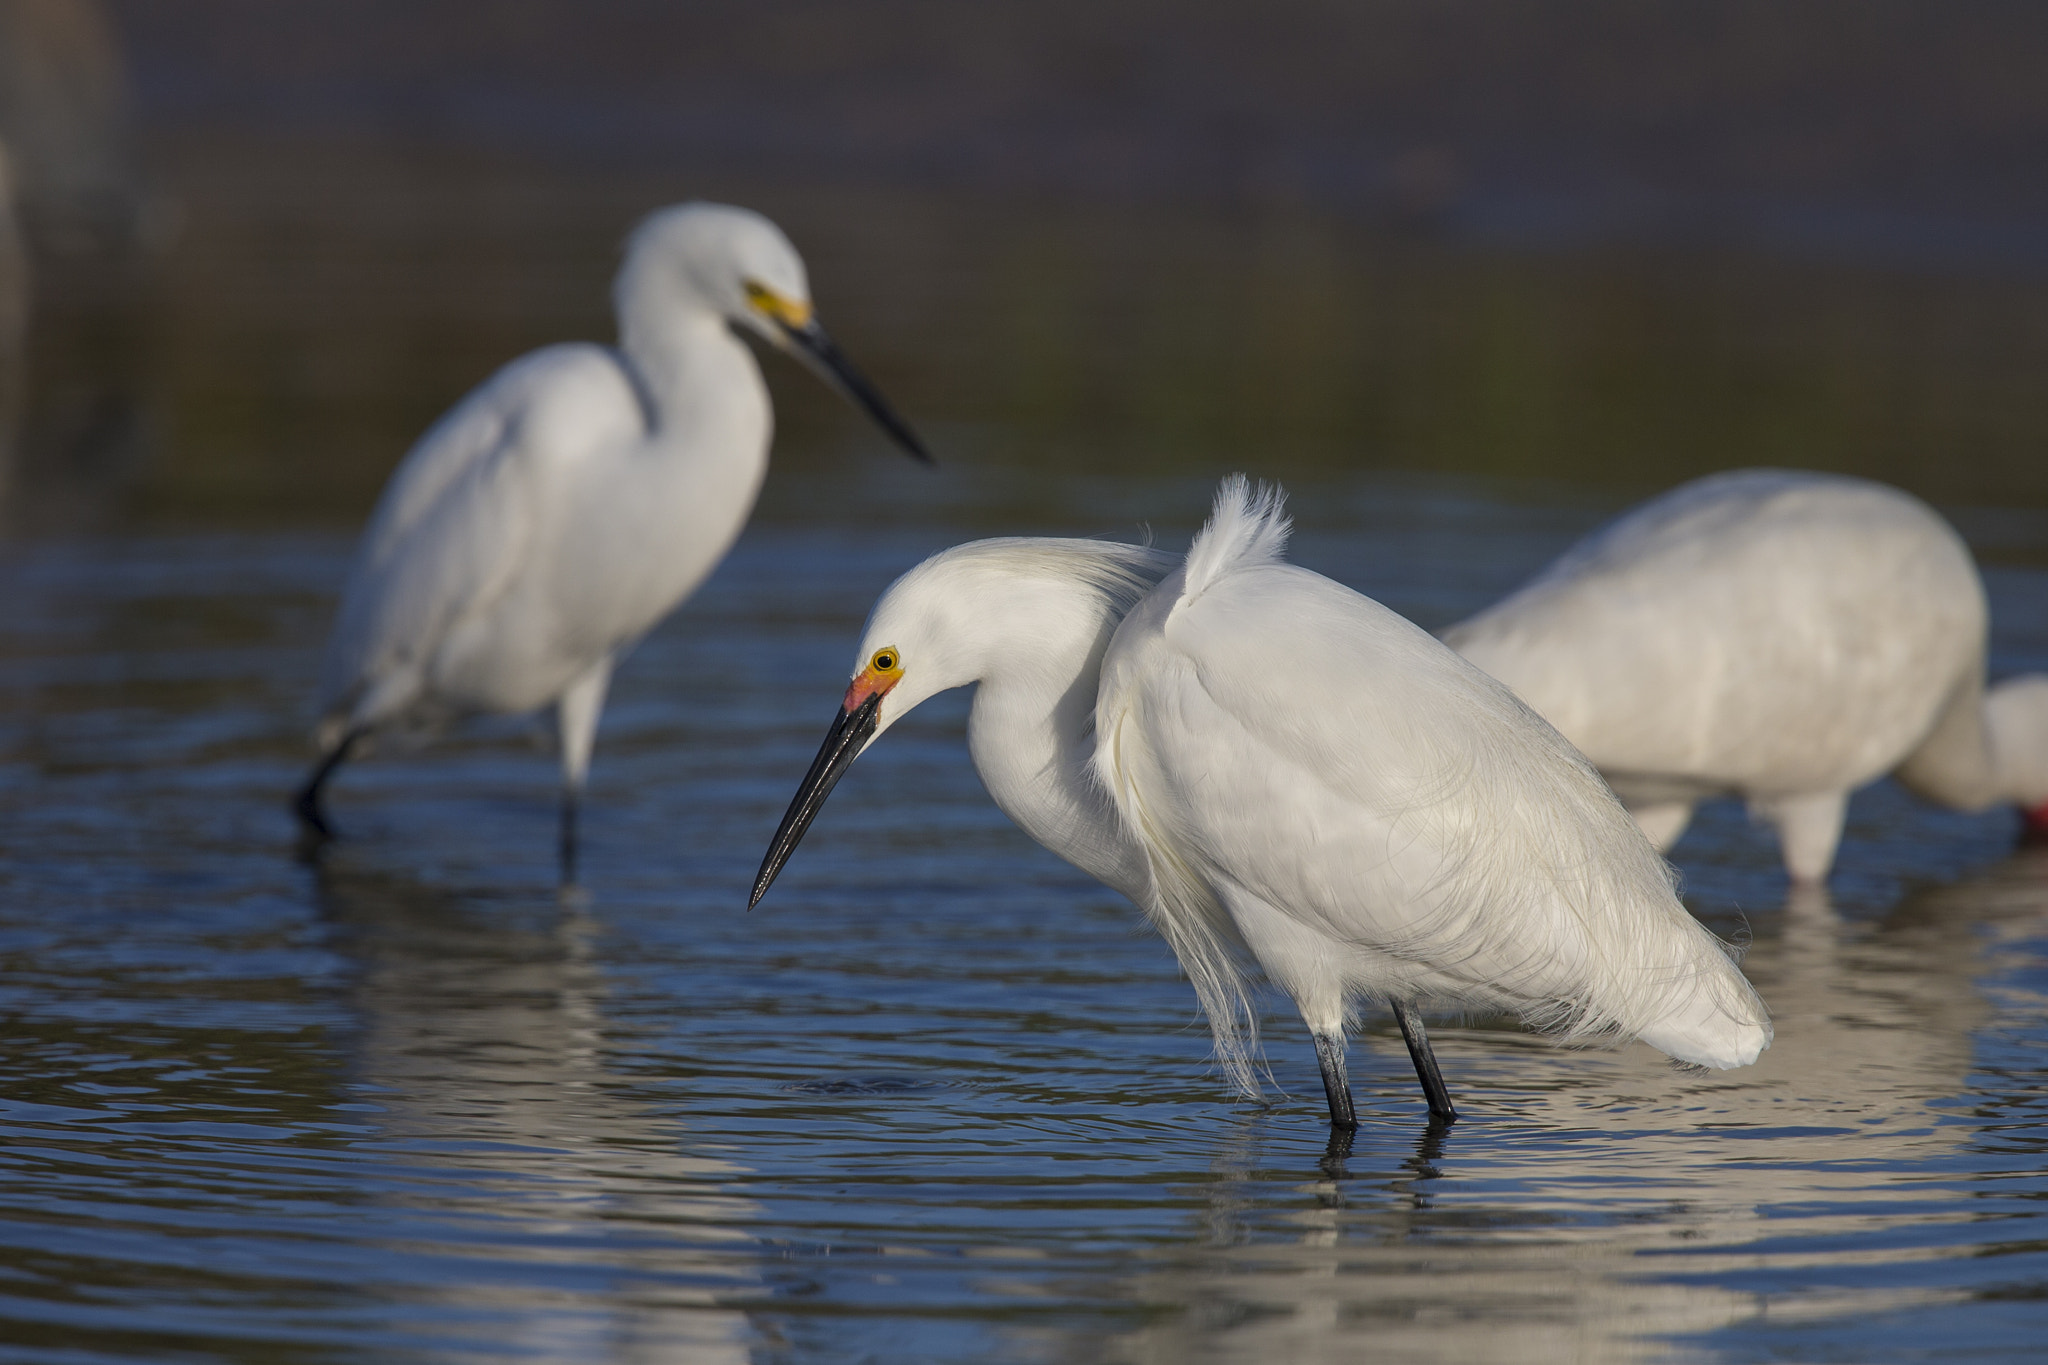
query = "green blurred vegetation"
x=323 y=304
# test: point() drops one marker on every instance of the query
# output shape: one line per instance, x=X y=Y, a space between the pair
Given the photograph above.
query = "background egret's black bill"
x=817 y=349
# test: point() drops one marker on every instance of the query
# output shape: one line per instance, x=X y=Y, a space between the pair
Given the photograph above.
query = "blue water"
x=940 y=1097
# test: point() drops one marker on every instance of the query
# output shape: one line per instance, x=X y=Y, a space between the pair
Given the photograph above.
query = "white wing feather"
x=449 y=535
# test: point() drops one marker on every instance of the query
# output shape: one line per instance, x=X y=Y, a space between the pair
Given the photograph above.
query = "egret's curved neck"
x=2016 y=717
x=708 y=417
x=1988 y=745
x=1032 y=737
x=690 y=482
x=690 y=367
x=688 y=364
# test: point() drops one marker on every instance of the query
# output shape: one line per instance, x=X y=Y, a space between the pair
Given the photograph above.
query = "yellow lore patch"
x=791 y=313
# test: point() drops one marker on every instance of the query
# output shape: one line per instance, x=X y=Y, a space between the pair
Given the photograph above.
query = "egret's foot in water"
x=1336 y=1152
x=313 y=826
x=313 y=821
x=1430 y=1149
x=1417 y=1038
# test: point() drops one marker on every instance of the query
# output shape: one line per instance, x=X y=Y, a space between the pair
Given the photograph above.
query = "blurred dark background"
x=257 y=247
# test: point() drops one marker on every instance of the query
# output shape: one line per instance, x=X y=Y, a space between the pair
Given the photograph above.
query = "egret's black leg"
x=1432 y=1080
x=307 y=802
x=1336 y=1088
x=571 y=805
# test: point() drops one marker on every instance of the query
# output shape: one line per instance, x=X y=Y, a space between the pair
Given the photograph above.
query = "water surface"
x=940 y=1097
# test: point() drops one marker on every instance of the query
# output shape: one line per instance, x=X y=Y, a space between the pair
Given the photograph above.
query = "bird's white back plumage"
x=1765 y=632
x=456 y=526
x=1321 y=787
x=1781 y=635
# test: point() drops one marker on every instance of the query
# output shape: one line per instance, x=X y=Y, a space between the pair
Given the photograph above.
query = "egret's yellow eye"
x=884 y=661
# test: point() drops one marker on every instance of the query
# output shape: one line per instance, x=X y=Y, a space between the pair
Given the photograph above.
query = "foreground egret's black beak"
x=842 y=745
x=816 y=349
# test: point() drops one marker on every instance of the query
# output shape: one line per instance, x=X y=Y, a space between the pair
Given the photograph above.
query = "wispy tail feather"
x=1247 y=525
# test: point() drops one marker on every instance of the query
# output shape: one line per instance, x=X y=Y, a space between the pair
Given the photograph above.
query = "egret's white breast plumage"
x=1784 y=636
x=1288 y=777
x=555 y=515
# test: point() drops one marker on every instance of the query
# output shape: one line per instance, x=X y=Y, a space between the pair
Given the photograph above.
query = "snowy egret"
x=1782 y=636
x=1282 y=772
x=550 y=519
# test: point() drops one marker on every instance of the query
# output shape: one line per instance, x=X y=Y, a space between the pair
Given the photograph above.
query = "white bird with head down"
x=1284 y=773
x=1781 y=636
x=557 y=513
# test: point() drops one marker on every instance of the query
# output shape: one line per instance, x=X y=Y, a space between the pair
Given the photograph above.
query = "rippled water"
x=941 y=1097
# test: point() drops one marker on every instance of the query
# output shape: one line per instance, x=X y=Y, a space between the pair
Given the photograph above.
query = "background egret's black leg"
x=1336 y=1087
x=571 y=804
x=307 y=802
x=1432 y=1080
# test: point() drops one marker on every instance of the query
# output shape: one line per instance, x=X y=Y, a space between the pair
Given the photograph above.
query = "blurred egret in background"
x=557 y=513
x=1276 y=768
x=1785 y=637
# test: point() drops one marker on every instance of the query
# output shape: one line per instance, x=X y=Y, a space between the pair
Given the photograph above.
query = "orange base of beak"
x=866 y=684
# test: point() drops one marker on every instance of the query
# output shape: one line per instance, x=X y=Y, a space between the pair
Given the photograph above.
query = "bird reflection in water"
x=481 y=1041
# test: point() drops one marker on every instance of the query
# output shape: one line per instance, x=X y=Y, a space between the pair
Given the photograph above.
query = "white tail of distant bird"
x=1286 y=776
x=1781 y=636
x=557 y=513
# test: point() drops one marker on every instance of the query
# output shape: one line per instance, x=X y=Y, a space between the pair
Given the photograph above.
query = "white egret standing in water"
x=555 y=515
x=1278 y=769
x=1781 y=636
